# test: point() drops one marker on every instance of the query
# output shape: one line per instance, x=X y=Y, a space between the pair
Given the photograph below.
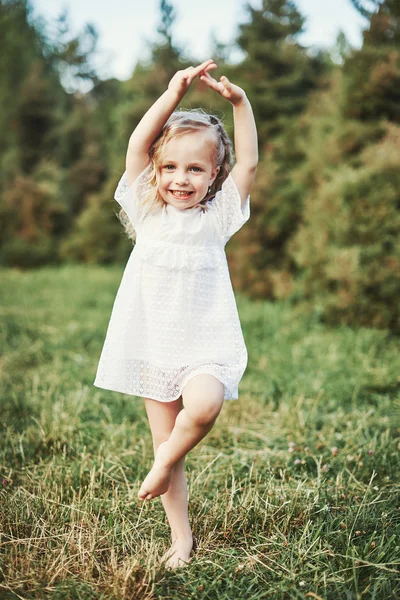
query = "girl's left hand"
x=225 y=88
x=182 y=79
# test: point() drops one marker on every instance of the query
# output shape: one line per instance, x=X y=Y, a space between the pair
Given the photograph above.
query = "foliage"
x=347 y=246
x=276 y=72
x=52 y=160
x=372 y=74
x=325 y=215
x=322 y=128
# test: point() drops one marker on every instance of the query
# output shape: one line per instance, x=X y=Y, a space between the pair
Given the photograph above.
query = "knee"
x=203 y=407
x=159 y=438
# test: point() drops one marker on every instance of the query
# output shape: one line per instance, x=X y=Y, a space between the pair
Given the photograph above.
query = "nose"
x=181 y=178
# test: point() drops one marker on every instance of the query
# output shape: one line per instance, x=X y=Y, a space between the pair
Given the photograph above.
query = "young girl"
x=174 y=335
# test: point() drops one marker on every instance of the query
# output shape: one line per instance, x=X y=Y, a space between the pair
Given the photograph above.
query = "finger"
x=210 y=78
x=206 y=64
x=207 y=76
x=212 y=83
x=225 y=81
x=209 y=68
x=196 y=73
x=188 y=74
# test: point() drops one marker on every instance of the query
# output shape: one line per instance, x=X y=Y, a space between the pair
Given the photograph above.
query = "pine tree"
x=277 y=72
x=278 y=75
x=97 y=225
x=346 y=248
x=51 y=158
x=372 y=89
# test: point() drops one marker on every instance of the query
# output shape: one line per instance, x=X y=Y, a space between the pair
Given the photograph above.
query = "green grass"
x=293 y=494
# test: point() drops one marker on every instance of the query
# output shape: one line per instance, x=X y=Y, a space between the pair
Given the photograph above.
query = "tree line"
x=325 y=206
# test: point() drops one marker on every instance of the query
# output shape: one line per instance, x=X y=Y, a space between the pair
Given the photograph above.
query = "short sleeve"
x=231 y=215
x=130 y=197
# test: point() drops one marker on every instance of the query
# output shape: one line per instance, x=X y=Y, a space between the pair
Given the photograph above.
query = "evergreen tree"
x=150 y=80
x=97 y=225
x=52 y=158
x=72 y=56
x=277 y=72
x=346 y=248
x=278 y=75
x=372 y=89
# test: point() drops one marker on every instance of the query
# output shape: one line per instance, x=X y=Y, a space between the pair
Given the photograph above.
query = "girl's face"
x=186 y=170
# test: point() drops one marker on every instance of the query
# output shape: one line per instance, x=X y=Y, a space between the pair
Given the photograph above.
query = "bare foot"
x=158 y=479
x=179 y=553
x=168 y=553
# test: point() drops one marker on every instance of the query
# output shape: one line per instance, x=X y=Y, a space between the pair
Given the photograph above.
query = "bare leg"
x=203 y=397
x=175 y=500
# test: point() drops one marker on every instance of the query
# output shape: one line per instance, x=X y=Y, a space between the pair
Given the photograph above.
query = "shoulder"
x=228 y=189
x=228 y=208
x=139 y=185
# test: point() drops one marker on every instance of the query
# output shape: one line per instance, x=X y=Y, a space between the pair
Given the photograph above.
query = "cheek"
x=203 y=181
x=163 y=180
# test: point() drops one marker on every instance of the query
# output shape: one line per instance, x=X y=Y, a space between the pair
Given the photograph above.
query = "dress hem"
x=141 y=395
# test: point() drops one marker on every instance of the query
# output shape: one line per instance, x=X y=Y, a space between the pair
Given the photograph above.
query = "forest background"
x=325 y=207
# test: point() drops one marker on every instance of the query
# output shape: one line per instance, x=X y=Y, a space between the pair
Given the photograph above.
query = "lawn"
x=293 y=494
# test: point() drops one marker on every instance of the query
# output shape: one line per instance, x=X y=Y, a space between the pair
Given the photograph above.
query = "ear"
x=214 y=175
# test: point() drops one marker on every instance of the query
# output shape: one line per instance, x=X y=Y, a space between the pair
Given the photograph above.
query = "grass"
x=293 y=494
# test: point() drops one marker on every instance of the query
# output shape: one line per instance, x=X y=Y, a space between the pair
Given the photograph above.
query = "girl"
x=174 y=335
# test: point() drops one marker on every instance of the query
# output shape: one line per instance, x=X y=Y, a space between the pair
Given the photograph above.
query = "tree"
x=277 y=72
x=347 y=246
x=51 y=155
x=278 y=75
x=96 y=224
x=372 y=84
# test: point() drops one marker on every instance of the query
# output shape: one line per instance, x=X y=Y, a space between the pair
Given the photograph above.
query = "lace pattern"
x=175 y=315
x=130 y=198
x=178 y=257
x=231 y=215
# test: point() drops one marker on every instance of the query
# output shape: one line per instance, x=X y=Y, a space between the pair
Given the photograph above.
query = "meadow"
x=293 y=494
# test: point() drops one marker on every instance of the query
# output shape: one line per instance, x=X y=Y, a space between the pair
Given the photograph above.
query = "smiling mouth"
x=181 y=193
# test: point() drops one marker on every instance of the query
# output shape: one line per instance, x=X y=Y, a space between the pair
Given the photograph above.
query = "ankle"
x=183 y=535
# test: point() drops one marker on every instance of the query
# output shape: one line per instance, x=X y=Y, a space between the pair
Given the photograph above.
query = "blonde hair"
x=180 y=123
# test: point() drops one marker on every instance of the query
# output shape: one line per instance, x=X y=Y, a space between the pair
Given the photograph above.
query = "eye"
x=168 y=167
x=196 y=169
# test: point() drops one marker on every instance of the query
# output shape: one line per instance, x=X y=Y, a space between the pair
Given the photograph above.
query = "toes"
x=168 y=555
x=176 y=564
x=172 y=560
x=143 y=495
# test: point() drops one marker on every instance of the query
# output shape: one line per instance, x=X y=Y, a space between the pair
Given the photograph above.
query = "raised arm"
x=246 y=146
x=137 y=156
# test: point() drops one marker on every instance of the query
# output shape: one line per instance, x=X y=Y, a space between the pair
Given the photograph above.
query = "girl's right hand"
x=182 y=79
x=225 y=88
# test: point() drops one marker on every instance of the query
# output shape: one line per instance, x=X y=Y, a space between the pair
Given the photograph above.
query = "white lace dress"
x=175 y=314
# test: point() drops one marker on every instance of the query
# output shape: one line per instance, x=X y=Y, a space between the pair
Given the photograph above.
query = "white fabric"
x=175 y=314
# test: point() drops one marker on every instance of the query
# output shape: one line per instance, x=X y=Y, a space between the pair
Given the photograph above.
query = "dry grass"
x=293 y=494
